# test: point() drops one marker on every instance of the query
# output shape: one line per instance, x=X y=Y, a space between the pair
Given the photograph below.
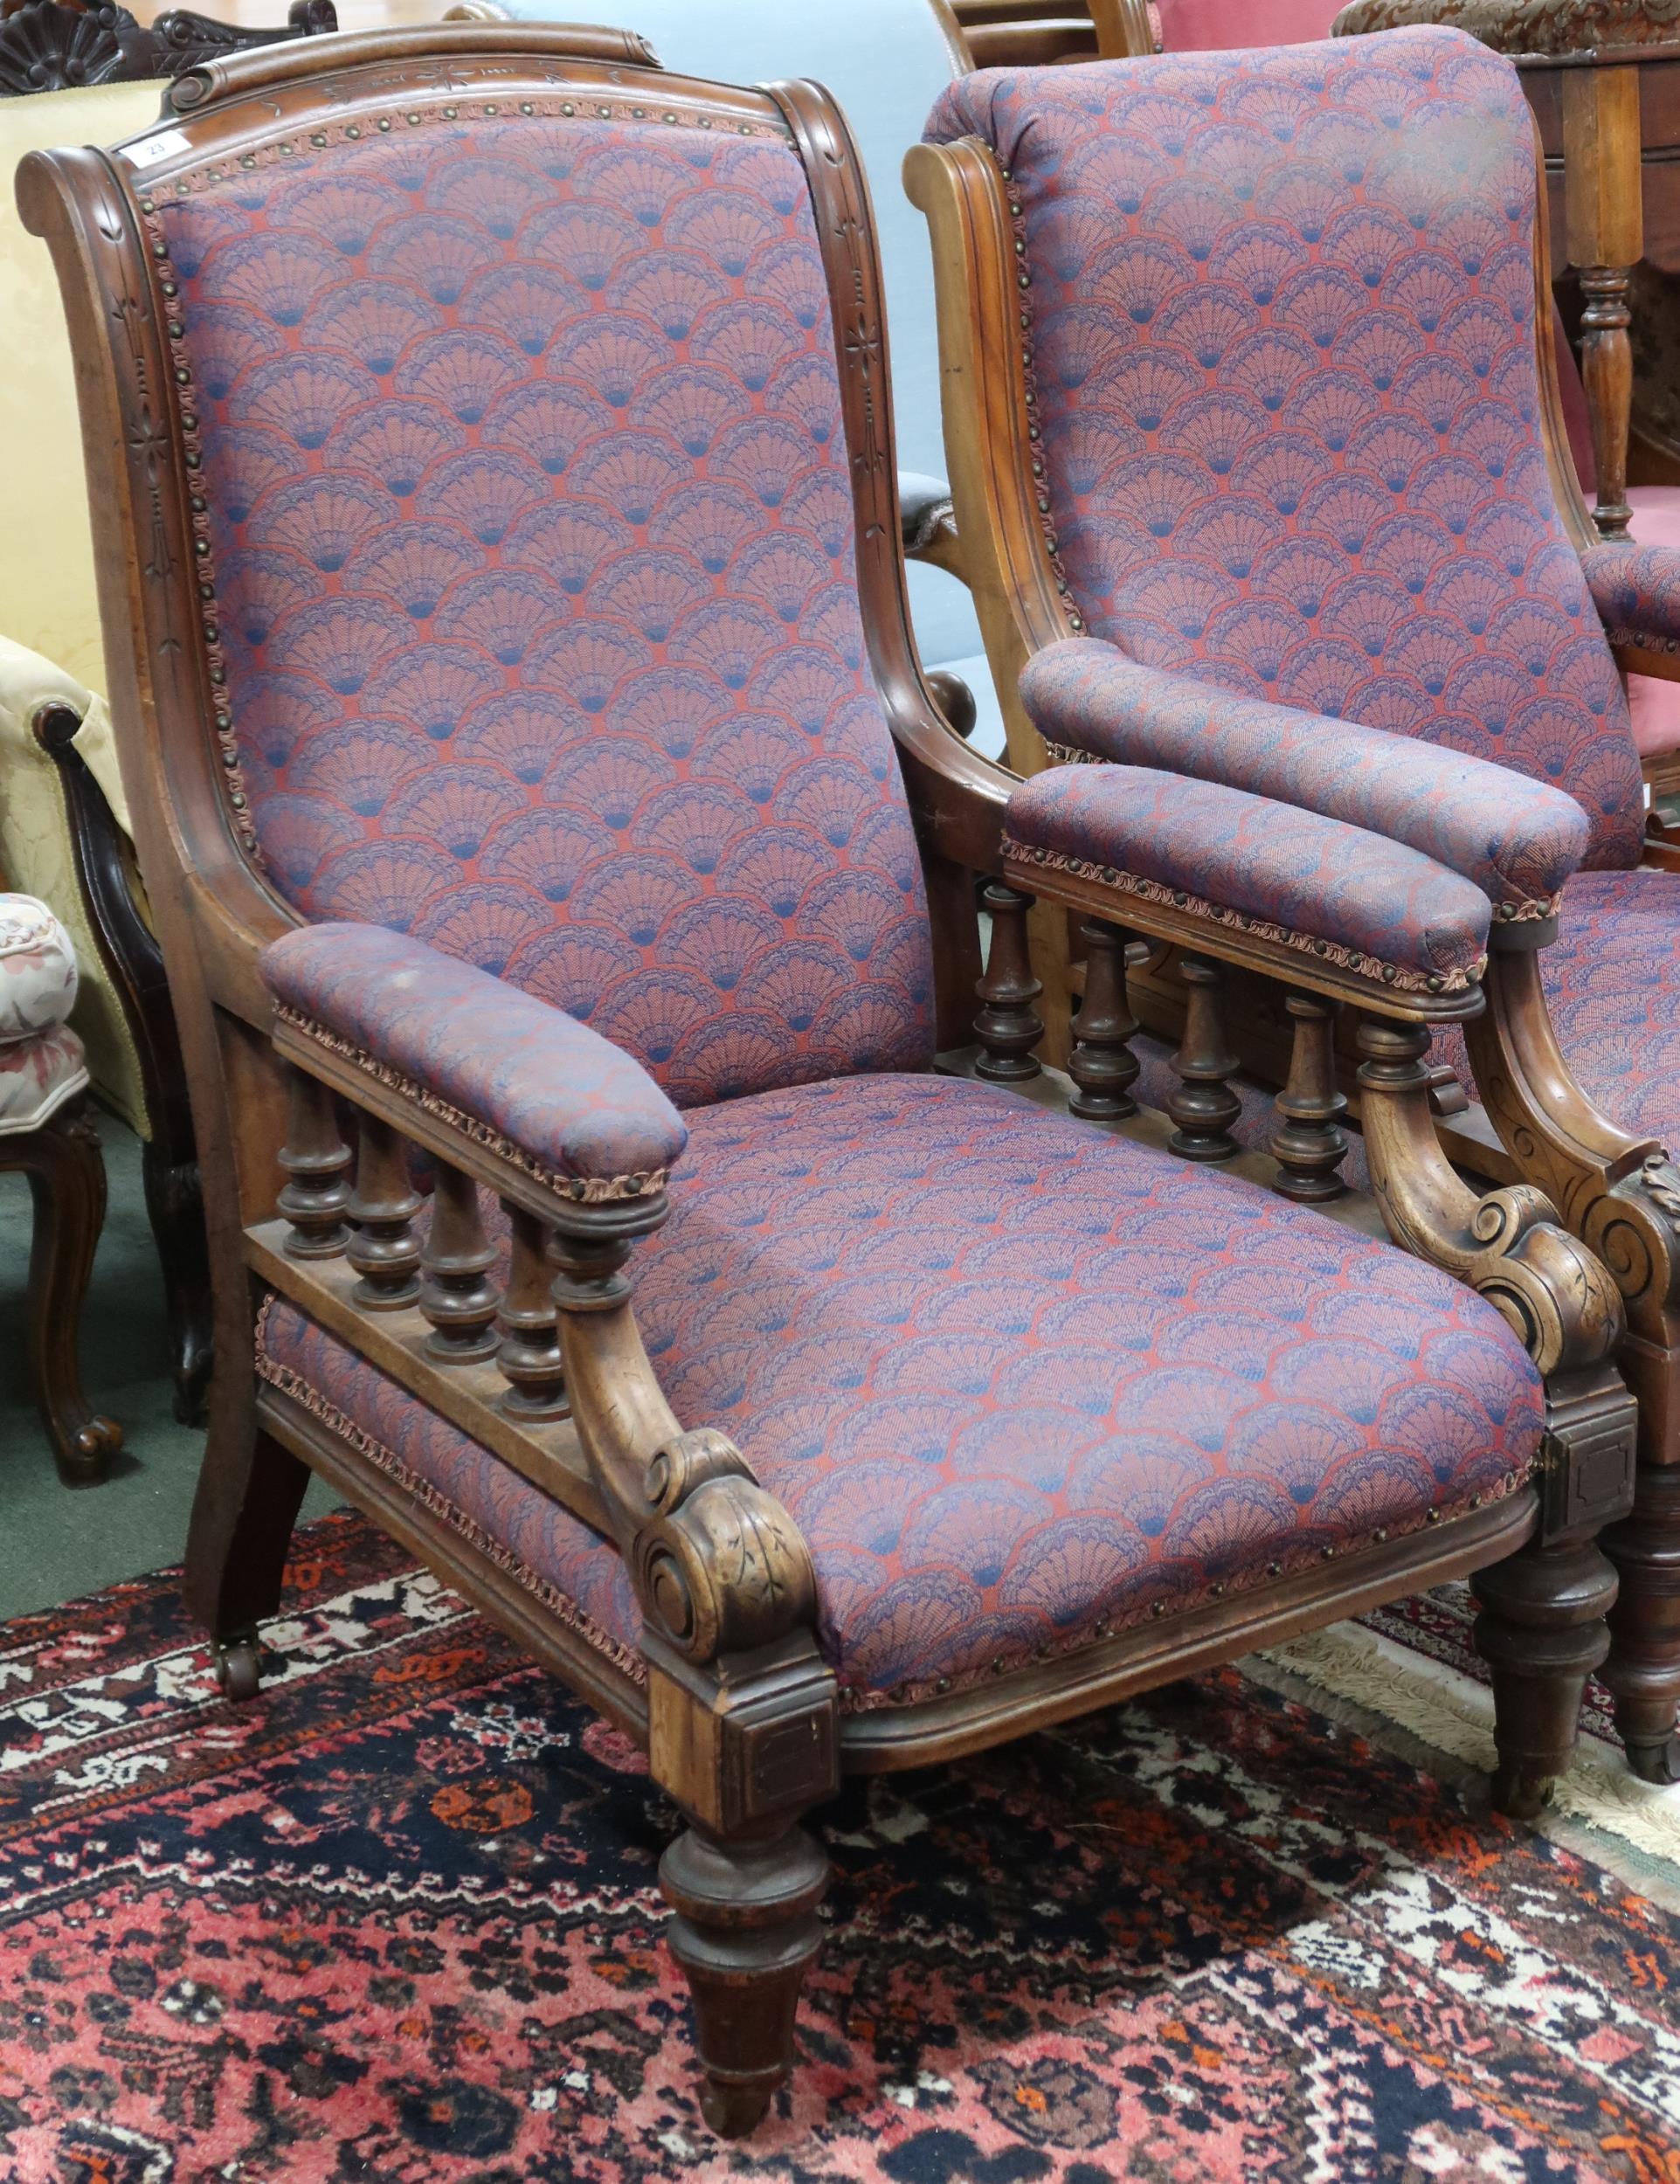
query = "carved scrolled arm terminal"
x=1509 y=1245
x=718 y=1565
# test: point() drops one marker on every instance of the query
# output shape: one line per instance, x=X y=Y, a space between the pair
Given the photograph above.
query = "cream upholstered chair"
x=61 y=800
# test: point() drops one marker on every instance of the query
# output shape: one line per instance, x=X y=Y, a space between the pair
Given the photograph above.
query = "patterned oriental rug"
x=398 y=1922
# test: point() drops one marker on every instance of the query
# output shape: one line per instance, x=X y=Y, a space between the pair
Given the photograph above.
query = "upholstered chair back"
x=1279 y=307
x=530 y=538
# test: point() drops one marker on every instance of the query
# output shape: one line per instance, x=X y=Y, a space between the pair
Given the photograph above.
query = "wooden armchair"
x=1309 y=473
x=502 y=579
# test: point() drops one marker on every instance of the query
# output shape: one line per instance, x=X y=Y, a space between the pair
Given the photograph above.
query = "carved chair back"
x=504 y=532
x=1279 y=397
x=64 y=45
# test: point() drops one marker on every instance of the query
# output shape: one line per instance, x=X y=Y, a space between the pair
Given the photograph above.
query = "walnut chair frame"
x=739 y=1709
x=1532 y=1123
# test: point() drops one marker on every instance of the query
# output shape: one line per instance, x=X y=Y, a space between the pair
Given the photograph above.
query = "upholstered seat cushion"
x=1613 y=979
x=1013 y=1377
x=36 y=1076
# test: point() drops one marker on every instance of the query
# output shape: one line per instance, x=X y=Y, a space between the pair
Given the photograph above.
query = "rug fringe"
x=1454 y=1714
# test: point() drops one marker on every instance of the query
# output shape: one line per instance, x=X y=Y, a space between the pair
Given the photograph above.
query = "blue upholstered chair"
x=517 y=705
x=1296 y=464
x=885 y=61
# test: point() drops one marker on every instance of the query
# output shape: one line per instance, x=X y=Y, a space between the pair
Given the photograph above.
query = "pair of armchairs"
x=498 y=535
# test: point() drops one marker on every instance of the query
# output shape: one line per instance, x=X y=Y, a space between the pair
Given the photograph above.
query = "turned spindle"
x=315 y=1196
x=1606 y=371
x=456 y=1295
x=530 y=1355
x=1101 y=1065
x=384 y=1248
x=1604 y=235
x=1203 y=1107
x=1007 y=1027
x=1309 y=1145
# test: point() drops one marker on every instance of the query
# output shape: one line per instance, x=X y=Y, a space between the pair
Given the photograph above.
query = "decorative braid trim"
x=1021 y=257
x=1530 y=910
x=1353 y=959
x=586 y=1190
x=1643 y=640
x=1286 y=1564
x=628 y=1660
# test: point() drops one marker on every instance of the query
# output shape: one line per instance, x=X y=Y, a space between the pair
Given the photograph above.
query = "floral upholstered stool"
x=44 y=1133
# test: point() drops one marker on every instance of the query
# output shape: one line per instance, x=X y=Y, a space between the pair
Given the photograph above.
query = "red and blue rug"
x=397 y=1923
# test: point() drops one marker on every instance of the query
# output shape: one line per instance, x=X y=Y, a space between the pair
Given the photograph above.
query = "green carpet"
x=58 y=1542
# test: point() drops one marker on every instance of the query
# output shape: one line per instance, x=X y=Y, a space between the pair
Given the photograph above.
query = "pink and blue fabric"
x=533 y=554
x=1018 y=1381
x=1279 y=311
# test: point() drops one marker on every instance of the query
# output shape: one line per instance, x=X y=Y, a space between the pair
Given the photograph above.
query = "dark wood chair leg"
x=745 y=1933
x=1643 y=1672
x=130 y=950
x=1542 y=1632
x=249 y=1494
x=175 y=1206
x=67 y=1180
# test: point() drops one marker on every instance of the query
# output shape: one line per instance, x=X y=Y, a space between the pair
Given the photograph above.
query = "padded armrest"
x=1637 y=591
x=923 y=502
x=527 y=1077
x=1516 y=839
x=1379 y=909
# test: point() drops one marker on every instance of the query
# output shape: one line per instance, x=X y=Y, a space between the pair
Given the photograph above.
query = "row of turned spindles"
x=1308 y=1145
x=372 y=1222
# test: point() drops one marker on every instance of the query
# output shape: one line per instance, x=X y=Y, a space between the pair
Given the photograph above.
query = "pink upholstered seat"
x=1013 y=1377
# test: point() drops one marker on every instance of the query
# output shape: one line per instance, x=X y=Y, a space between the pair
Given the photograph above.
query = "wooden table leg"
x=1604 y=223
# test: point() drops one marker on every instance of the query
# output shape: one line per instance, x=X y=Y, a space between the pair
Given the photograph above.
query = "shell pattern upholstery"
x=1280 y=313
x=562 y=1100
x=532 y=539
x=1517 y=840
x=1612 y=981
x=1384 y=910
x=1017 y=1381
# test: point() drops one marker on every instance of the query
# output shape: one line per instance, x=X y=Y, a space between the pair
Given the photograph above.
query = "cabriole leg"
x=66 y=1169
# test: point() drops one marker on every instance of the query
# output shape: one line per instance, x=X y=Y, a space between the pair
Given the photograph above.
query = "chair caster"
x=239 y=1666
